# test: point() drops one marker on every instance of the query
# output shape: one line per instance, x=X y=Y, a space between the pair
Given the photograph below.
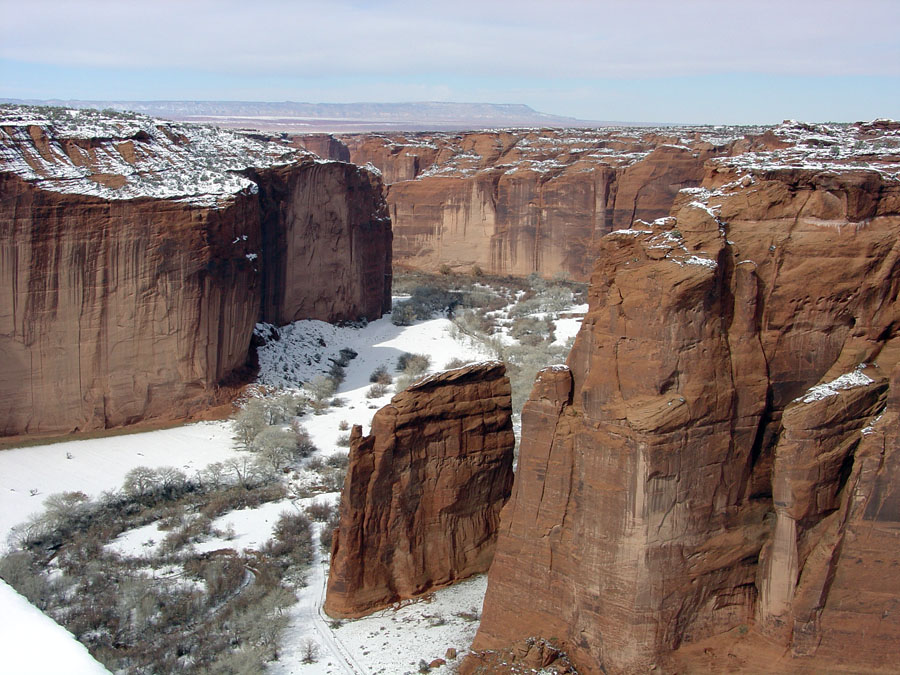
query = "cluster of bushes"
x=168 y=609
x=331 y=470
x=424 y=303
x=323 y=387
x=411 y=367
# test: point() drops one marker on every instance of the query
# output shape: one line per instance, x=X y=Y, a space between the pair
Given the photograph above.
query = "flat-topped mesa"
x=423 y=492
x=136 y=256
x=723 y=450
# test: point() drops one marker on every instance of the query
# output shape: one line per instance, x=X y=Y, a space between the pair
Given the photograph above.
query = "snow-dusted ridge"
x=117 y=155
x=851 y=380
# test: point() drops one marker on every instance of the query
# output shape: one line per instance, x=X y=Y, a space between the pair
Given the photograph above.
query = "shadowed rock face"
x=720 y=451
x=423 y=492
x=136 y=257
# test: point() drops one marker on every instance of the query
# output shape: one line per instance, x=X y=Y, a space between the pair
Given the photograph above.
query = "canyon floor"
x=390 y=641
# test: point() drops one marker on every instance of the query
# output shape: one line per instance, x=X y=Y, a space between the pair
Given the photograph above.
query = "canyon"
x=719 y=456
x=708 y=484
x=137 y=255
x=422 y=497
x=523 y=201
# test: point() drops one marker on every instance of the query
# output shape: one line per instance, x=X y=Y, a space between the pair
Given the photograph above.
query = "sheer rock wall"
x=423 y=492
x=720 y=450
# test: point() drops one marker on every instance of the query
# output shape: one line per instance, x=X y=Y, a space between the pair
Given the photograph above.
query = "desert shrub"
x=456 y=363
x=223 y=576
x=282 y=408
x=424 y=303
x=343 y=441
x=403 y=381
x=343 y=425
x=376 y=391
x=291 y=543
x=403 y=314
x=321 y=387
x=315 y=464
x=249 y=421
x=381 y=375
x=532 y=331
x=338 y=402
x=336 y=373
x=326 y=534
x=320 y=511
x=196 y=529
x=19 y=570
x=346 y=355
x=523 y=363
x=413 y=364
x=338 y=460
x=309 y=649
x=305 y=446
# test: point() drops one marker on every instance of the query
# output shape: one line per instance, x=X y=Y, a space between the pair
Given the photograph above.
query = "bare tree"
x=309 y=649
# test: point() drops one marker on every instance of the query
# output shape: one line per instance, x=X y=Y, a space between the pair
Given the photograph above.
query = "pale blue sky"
x=704 y=61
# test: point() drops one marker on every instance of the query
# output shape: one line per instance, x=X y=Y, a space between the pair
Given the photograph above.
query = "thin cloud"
x=567 y=39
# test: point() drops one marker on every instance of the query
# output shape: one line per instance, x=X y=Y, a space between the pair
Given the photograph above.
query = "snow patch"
x=849 y=380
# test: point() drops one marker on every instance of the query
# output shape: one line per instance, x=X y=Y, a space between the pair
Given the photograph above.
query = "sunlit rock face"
x=136 y=255
x=423 y=493
x=521 y=201
x=720 y=452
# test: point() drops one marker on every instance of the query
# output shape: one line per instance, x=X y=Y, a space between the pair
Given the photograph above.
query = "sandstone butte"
x=423 y=492
x=519 y=201
x=136 y=256
x=712 y=484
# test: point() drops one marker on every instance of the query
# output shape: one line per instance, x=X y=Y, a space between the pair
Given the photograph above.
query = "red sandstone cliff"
x=423 y=492
x=523 y=201
x=136 y=256
x=721 y=450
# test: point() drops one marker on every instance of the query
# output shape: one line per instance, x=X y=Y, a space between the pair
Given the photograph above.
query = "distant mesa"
x=294 y=117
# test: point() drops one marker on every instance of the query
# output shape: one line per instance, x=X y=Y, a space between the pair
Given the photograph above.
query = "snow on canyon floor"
x=391 y=641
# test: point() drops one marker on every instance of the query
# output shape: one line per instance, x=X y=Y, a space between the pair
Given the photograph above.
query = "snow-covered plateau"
x=119 y=155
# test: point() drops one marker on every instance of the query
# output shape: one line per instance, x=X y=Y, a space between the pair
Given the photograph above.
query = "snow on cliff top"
x=833 y=147
x=120 y=155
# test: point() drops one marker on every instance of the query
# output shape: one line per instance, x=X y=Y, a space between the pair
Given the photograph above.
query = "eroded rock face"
x=423 y=492
x=136 y=256
x=523 y=201
x=719 y=452
x=326 y=243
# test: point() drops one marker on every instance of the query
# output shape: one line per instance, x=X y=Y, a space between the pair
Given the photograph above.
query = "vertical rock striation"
x=720 y=451
x=136 y=256
x=423 y=492
x=523 y=201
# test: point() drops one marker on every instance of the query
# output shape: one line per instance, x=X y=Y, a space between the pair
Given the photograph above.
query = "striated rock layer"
x=526 y=200
x=423 y=492
x=136 y=256
x=721 y=450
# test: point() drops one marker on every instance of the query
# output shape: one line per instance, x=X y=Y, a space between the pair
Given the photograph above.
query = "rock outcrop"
x=721 y=450
x=136 y=256
x=523 y=201
x=423 y=492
